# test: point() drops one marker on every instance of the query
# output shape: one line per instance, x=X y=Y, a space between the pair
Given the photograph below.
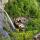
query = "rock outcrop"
x=20 y=23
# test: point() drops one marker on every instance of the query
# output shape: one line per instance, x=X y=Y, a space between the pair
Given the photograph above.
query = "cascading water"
x=3 y=14
x=10 y=21
x=3 y=33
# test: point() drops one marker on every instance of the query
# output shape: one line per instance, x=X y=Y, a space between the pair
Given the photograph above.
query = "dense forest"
x=29 y=9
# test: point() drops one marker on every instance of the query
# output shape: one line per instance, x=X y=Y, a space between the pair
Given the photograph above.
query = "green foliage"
x=33 y=24
x=23 y=35
x=23 y=8
x=20 y=35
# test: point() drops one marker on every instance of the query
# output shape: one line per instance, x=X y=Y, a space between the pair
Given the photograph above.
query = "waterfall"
x=5 y=13
x=3 y=32
x=13 y=27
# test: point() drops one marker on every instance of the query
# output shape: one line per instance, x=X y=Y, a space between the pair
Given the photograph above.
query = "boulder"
x=20 y=22
x=37 y=37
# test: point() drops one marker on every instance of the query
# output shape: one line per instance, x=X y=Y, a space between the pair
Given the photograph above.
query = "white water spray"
x=9 y=20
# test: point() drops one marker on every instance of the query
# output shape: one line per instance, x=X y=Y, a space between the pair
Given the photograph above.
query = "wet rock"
x=37 y=37
x=20 y=23
x=5 y=34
